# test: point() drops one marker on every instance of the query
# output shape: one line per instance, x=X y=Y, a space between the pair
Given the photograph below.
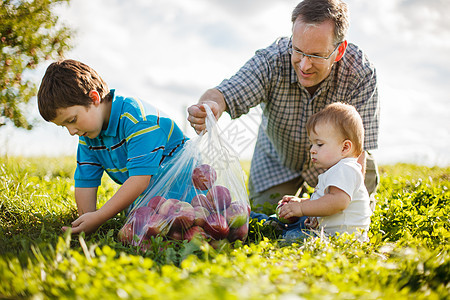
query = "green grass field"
x=407 y=257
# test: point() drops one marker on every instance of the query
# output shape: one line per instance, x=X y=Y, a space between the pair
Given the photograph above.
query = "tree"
x=30 y=33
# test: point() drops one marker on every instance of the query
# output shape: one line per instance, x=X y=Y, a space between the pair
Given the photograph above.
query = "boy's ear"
x=95 y=97
x=341 y=50
x=347 y=147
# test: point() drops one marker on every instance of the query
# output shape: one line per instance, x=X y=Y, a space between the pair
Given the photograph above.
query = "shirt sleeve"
x=146 y=141
x=248 y=87
x=89 y=171
x=365 y=99
x=343 y=177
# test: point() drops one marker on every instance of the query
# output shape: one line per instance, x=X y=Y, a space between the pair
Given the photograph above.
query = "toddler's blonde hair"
x=345 y=119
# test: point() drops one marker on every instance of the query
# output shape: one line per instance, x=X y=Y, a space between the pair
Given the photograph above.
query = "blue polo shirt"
x=138 y=139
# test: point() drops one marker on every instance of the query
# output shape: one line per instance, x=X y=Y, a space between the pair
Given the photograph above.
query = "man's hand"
x=88 y=223
x=197 y=113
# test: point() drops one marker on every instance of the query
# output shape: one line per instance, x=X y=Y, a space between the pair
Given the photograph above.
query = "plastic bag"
x=201 y=192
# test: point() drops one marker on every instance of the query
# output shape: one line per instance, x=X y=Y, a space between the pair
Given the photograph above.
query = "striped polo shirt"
x=268 y=79
x=137 y=140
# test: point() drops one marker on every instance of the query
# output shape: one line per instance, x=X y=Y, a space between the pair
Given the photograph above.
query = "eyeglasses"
x=314 y=59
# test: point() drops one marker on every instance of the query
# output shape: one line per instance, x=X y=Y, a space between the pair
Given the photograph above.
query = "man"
x=292 y=79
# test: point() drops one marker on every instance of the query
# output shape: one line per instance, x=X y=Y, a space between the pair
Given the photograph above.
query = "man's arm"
x=197 y=113
x=127 y=193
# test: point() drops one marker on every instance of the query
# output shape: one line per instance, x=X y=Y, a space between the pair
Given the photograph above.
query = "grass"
x=407 y=256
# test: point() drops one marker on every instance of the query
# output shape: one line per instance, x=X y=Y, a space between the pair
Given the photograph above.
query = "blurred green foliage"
x=30 y=33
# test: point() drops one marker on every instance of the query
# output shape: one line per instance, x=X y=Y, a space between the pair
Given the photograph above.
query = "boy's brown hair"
x=345 y=119
x=67 y=83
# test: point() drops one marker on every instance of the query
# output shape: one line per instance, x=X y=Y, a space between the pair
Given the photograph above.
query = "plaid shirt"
x=268 y=79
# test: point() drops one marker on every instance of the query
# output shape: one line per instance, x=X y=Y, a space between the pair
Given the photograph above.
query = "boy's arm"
x=125 y=195
x=335 y=201
x=86 y=199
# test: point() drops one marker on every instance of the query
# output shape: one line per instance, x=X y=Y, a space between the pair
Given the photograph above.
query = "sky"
x=168 y=52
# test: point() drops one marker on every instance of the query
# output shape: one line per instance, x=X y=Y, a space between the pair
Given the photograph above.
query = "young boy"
x=126 y=138
x=340 y=200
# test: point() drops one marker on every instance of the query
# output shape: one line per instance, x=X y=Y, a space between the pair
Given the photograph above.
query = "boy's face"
x=327 y=146
x=81 y=120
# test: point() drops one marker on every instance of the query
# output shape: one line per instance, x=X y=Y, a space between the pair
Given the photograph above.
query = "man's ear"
x=347 y=147
x=341 y=50
x=95 y=97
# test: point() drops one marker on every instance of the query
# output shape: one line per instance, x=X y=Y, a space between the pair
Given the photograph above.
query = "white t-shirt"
x=347 y=176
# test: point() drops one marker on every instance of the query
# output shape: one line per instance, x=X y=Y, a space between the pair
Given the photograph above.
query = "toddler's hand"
x=288 y=198
x=291 y=209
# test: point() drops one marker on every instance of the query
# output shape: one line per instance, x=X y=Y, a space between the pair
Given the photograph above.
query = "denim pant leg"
x=297 y=230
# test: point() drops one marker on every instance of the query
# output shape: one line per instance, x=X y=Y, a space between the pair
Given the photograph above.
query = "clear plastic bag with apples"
x=200 y=192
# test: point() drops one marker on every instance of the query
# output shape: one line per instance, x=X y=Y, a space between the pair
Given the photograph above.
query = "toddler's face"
x=326 y=146
x=81 y=120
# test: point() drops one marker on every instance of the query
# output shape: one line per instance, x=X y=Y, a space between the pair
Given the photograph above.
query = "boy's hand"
x=292 y=208
x=87 y=223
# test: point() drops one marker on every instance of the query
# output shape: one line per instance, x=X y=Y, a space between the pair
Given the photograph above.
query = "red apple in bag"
x=201 y=214
x=182 y=215
x=157 y=224
x=239 y=233
x=156 y=202
x=195 y=231
x=201 y=200
x=140 y=217
x=126 y=233
x=219 y=197
x=203 y=177
x=216 y=226
x=236 y=215
x=168 y=206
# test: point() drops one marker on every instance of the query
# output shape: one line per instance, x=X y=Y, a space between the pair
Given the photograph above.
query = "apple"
x=182 y=215
x=203 y=177
x=201 y=200
x=288 y=220
x=167 y=206
x=219 y=196
x=156 y=224
x=201 y=213
x=195 y=231
x=175 y=234
x=239 y=233
x=236 y=215
x=140 y=216
x=156 y=202
x=126 y=233
x=216 y=226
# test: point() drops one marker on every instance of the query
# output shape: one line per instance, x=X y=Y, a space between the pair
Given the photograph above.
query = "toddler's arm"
x=336 y=200
x=125 y=195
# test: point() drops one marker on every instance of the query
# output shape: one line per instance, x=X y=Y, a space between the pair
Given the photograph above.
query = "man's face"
x=313 y=40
